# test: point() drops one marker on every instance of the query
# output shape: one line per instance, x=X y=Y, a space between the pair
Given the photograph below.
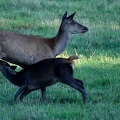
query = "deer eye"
x=69 y=21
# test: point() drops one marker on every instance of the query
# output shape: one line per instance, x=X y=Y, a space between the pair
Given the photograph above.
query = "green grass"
x=99 y=67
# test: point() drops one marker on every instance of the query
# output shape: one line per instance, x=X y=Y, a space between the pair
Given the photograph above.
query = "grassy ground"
x=99 y=66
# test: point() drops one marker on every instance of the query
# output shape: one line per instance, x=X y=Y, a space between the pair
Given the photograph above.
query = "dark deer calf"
x=43 y=74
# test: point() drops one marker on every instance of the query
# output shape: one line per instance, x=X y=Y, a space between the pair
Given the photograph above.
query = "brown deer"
x=43 y=74
x=24 y=50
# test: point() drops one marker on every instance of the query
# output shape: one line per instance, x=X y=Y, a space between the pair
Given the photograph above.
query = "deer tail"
x=73 y=57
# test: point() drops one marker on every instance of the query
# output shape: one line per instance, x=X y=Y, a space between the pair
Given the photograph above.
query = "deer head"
x=72 y=26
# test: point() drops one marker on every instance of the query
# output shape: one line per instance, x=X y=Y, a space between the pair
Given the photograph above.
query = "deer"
x=41 y=75
x=23 y=50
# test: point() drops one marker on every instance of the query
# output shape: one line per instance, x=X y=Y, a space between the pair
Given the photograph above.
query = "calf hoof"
x=11 y=102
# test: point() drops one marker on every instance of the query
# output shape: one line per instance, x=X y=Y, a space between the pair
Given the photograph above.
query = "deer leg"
x=20 y=90
x=43 y=93
x=2 y=54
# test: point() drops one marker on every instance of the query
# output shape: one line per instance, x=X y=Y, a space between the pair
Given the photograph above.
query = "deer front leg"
x=2 y=54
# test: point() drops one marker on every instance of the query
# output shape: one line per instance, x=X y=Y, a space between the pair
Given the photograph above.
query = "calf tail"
x=73 y=57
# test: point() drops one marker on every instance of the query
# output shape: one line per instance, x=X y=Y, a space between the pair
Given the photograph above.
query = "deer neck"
x=60 y=41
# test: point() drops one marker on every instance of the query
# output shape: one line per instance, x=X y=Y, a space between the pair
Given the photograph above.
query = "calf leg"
x=76 y=85
x=79 y=82
x=43 y=93
x=24 y=93
x=20 y=90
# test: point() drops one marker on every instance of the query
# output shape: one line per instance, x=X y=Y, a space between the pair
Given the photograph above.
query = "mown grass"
x=99 y=66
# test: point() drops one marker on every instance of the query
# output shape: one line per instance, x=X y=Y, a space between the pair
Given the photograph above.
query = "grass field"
x=99 y=67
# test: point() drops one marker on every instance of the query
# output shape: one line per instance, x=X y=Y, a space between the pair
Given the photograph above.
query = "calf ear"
x=13 y=67
x=12 y=71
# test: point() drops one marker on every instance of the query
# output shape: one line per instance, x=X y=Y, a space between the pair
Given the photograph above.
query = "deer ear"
x=71 y=16
x=64 y=16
